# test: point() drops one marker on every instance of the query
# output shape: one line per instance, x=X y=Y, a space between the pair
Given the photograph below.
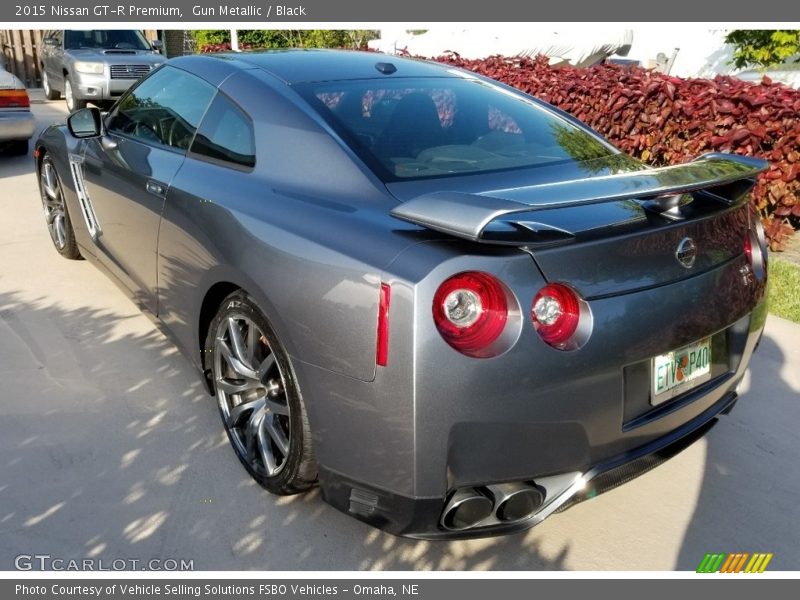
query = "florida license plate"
x=678 y=371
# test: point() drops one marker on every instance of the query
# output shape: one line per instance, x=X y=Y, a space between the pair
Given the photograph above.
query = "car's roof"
x=306 y=65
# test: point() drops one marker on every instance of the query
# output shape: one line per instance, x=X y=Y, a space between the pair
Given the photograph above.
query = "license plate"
x=676 y=372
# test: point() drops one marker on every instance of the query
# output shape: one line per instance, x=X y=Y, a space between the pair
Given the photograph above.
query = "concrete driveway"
x=110 y=448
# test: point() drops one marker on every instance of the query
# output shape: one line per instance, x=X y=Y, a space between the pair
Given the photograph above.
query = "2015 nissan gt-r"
x=453 y=306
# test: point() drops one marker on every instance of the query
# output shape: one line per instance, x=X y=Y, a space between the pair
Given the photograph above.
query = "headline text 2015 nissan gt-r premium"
x=452 y=306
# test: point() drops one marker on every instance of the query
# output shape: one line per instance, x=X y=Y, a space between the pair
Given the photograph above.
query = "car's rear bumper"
x=422 y=517
x=16 y=125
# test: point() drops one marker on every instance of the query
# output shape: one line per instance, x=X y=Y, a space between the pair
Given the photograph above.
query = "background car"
x=17 y=123
x=455 y=307
x=96 y=65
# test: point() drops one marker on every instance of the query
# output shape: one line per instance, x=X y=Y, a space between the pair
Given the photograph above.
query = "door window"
x=164 y=109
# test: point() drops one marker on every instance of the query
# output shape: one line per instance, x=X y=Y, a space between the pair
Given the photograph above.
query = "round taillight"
x=556 y=312
x=470 y=311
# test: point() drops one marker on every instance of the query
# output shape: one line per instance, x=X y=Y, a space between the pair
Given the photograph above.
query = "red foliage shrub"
x=667 y=120
x=223 y=47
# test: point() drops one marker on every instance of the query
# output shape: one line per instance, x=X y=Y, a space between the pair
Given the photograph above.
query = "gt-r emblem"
x=686 y=253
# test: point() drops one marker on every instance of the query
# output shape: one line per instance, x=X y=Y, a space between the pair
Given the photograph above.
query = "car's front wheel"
x=259 y=399
x=55 y=211
x=73 y=103
x=49 y=92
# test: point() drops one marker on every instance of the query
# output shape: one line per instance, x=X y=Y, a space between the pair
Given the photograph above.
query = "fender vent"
x=89 y=216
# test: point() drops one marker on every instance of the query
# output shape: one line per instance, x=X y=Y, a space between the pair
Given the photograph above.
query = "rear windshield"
x=417 y=128
x=114 y=39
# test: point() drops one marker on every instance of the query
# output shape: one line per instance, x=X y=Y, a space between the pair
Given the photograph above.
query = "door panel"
x=126 y=182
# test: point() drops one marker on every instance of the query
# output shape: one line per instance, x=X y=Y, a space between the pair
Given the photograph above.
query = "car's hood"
x=117 y=56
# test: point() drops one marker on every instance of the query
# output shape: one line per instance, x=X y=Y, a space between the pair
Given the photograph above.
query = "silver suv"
x=95 y=65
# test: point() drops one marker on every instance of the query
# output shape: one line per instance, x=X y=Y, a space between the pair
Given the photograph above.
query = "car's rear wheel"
x=73 y=103
x=55 y=211
x=49 y=92
x=259 y=400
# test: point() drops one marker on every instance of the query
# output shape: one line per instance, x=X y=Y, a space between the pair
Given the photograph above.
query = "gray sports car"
x=454 y=307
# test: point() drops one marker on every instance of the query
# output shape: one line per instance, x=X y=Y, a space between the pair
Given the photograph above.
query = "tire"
x=73 y=103
x=250 y=368
x=49 y=92
x=56 y=213
x=19 y=148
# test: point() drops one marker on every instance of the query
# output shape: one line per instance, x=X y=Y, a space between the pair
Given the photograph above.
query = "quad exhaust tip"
x=516 y=501
x=491 y=505
x=467 y=508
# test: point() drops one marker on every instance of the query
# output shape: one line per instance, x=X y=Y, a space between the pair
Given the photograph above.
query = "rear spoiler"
x=660 y=190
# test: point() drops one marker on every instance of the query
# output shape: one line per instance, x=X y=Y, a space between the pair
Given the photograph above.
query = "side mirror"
x=49 y=41
x=86 y=123
x=157 y=45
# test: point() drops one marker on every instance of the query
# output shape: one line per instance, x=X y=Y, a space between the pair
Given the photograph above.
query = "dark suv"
x=95 y=65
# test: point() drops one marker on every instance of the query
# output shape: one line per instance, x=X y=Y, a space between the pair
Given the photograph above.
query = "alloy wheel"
x=251 y=391
x=53 y=204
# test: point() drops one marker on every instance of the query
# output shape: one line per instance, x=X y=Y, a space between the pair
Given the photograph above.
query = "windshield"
x=416 y=128
x=124 y=39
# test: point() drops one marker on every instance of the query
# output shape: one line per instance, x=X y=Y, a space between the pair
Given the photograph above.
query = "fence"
x=20 y=49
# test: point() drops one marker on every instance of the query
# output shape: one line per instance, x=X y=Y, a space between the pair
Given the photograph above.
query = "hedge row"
x=666 y=120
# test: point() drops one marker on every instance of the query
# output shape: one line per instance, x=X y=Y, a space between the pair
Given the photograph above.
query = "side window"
x=226 y=134
x=165 y=108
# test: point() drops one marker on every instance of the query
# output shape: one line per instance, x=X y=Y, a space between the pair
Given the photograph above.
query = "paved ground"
x=110 y=448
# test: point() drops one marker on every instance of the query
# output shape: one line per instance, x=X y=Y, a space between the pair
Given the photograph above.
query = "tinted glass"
x=114 y=39
x=226 y=134
x=414 y=128
x=165 y=108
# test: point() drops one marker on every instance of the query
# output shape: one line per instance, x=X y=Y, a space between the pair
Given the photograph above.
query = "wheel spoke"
x=240 y=410
x=232 y=387
x=60 y=229
x=251 y=432
x=49 y=184
x=277 y=434
x=235 y=363
x=265 y=449
x=265 y=366
x=51 y=215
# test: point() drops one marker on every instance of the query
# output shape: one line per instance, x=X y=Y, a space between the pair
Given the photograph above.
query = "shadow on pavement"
x=748 y=496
